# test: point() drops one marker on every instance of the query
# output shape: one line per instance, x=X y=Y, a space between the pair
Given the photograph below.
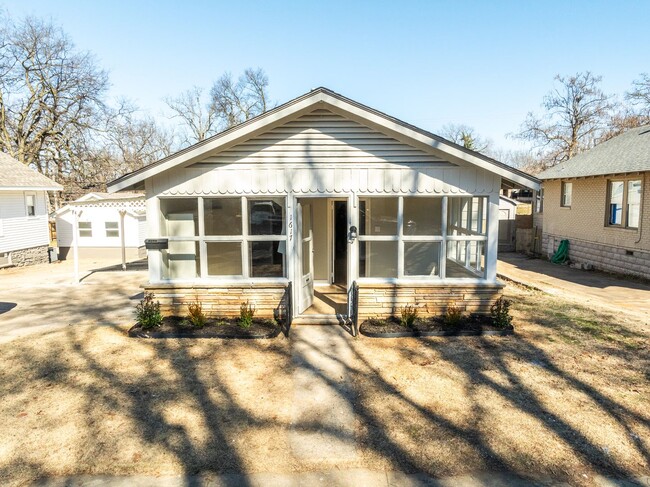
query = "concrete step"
x=319 y=320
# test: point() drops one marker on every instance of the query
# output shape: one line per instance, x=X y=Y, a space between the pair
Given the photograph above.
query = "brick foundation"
x=270 y=300
x=606 y=258
x=34 y=255
x=384 y=300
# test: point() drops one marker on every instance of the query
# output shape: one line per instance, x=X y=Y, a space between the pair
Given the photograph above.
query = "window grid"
x=245 y=239
x=471 y=230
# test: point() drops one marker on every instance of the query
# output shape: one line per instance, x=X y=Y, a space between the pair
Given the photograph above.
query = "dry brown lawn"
x=567 y=397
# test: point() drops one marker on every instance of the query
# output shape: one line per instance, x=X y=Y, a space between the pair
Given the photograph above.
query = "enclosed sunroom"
x=322 y=208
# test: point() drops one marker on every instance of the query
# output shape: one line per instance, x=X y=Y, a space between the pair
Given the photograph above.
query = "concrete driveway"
x=44 y=296
x=589 y=288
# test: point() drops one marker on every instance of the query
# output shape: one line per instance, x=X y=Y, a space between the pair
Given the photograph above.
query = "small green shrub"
x=246 y=313
x=453 y=315
x=195 y=314
x=147 y=312
x=500 y=312
x=409 y=315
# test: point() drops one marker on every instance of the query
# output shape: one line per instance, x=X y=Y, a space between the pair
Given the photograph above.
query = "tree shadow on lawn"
x=395 y=431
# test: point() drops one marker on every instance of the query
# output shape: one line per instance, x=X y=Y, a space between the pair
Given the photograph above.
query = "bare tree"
x=51 y=96
x=235 y=101
x=639 y=97
x=198 y=117
x=466 y=136
x=576 y=116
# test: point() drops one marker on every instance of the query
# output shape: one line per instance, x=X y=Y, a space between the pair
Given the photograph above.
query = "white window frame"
x=463 y=234
x=27 y=205
x=89 y=228
x=563 y=194
x=624 y=204
x=244 y=239
x=116 y=229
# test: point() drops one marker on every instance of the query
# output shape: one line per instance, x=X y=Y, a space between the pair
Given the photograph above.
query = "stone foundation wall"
x=384 y=300
x=34 y=255
x=270 y=300
x=606 y=258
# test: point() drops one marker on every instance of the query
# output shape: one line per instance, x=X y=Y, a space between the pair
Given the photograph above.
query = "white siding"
x=322 y=137
x=324 y=153
x=19 y=231
x=98 y=218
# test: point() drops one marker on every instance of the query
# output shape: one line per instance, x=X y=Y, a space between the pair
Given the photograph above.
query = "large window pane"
x=378 y=216
x=266 y=216
x=467 y=216
x=465 y=259
x=224 y=258
x=267 y=259
x=422 y=216
x=633 y=203
x=378 y=259
x=616 y=202
x=180 y=217
x=421 y=258
x=181 y=260
x=222 y=216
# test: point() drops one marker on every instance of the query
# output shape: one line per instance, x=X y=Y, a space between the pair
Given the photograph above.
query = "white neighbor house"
x=322 y=193
x=101 y=219
x=24 y=231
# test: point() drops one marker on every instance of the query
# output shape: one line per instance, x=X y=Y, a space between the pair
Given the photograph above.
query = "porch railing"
x=353 y=308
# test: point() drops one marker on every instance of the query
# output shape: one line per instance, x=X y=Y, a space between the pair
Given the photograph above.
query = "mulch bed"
x=472 y=325
x=176 y=327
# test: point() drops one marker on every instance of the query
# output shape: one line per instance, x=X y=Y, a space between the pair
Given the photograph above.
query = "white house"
x=24 y=232
x=507 y=223
x=102 y=219
x=304 y=205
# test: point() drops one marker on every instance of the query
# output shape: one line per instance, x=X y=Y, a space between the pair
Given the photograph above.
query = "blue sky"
x=429 y=63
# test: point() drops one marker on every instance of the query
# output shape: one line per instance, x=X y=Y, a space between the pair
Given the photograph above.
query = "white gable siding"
x=322 y=137
x=98 y=218
x=20 y=231
x=324 y=153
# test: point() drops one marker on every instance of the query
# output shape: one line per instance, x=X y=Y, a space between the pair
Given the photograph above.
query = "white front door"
x=306 y=256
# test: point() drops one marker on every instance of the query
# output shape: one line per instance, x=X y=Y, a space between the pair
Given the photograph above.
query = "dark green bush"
x=246 y=313
x=147 y=312
x=409 y=315
x=500 y=312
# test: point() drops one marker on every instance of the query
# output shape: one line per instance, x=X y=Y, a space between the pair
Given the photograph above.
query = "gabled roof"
x=324 y=98
x=132 y=202
x=14 y=175
x=625 y=153
x=94 y=196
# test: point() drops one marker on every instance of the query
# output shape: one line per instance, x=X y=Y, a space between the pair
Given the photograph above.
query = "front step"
x=319 y=320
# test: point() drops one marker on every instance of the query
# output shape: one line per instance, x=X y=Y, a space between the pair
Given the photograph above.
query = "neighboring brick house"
x=24 y=232
x=600 y=202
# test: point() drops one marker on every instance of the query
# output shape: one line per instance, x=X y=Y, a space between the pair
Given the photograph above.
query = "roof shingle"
x=15 y=174
x=625 y=153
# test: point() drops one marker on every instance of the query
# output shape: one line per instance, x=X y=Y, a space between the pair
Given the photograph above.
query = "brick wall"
x=591 y=241
x=586 y=218
x=221 y=300
x=383 y=300
x=31 y=256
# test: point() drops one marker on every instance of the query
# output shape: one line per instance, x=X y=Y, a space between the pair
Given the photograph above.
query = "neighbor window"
x=112 y=230
x=567 y=190
x=30 y=204
x=85 y=229
x=403 y=237
x=233 y=237
x=624 y=203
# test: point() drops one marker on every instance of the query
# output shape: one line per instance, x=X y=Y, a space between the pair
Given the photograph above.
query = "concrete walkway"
x=43 y=297
x=588 y=288
x=322 y=416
